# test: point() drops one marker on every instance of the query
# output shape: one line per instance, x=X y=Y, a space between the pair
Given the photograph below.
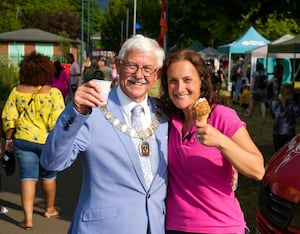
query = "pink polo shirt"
x=200 y=198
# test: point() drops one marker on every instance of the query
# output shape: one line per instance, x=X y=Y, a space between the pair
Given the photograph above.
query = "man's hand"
x=87 y=95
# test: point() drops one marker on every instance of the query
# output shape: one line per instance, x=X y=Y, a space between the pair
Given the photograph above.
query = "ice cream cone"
x=203 y=118
x=201 y=110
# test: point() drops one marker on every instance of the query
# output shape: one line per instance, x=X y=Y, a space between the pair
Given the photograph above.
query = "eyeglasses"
x=133 y=68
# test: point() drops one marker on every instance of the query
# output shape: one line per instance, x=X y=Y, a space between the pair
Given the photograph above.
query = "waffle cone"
x=203 y=118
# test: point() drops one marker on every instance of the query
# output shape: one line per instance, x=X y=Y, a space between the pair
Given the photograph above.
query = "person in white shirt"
x=75 y=75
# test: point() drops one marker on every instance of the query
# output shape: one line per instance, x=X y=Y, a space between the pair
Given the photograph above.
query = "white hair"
x=144 y=44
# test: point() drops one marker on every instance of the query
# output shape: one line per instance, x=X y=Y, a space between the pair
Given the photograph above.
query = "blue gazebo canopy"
x=249 y=41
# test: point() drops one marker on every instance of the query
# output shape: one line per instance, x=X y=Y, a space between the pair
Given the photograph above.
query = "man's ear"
x=159 y=73
x=118 y=64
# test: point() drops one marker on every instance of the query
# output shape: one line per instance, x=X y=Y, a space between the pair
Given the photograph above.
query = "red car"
x=279 y=198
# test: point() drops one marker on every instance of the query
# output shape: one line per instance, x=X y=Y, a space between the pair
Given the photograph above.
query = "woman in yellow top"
x=30 y=112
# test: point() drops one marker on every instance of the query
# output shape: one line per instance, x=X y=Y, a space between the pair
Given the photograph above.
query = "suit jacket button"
x=66 y=127
x=71 y=120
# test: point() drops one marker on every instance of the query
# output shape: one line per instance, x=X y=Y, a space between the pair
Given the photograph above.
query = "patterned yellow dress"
x=39 y=117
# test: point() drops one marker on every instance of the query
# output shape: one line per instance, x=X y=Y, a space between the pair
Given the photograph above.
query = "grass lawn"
x=261 y=132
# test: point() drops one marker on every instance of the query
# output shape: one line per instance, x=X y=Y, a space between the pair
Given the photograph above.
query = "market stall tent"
x=269 y=60
x=287 y=49
x=262 y=51
x=196 y=46
x=212 y=53
x=250 y=40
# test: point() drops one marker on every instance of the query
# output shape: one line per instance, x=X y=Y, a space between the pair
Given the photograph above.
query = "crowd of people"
x=95 y=68
x=148 y=165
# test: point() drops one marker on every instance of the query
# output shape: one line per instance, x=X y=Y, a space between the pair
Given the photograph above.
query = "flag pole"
x=162 y=39
x=134 y=17
x=165 y=36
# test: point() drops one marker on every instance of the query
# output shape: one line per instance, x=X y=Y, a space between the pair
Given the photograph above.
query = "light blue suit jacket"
x=114 y=198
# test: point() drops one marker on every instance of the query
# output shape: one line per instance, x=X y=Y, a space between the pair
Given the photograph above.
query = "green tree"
x=64 y=45
x=9 y=77
x=9 y=17
x=147 y=15
x=51 y=15
x=214 y=22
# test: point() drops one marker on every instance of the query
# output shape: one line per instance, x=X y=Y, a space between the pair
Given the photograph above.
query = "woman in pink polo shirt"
x=202 y=155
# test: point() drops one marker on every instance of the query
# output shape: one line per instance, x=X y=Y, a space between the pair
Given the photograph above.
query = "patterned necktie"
x=136 y=122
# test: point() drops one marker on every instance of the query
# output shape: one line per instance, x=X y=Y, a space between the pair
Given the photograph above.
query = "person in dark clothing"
x=258 y=90
x=284 y=112
x=273 y=87
x=93 y=72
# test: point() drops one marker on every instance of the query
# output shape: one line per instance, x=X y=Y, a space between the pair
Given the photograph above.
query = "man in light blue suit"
x=124 y=168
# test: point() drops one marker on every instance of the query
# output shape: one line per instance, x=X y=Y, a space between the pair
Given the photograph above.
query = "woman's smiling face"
x=184 y=84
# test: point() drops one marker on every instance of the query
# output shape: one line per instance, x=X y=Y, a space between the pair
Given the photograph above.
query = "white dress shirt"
x=149 y=163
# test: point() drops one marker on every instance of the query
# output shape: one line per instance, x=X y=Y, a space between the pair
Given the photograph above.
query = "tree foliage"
x=8 y=76
x=9 y=17
x=212 y=22
x=113 y=28
x=52 y=15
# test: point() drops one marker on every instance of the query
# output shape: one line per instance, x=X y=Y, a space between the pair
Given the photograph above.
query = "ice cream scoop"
x=201 y=110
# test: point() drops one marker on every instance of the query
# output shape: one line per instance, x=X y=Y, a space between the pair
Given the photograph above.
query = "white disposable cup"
x=105 y=88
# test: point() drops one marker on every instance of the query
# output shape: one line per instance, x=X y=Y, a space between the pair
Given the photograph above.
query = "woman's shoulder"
x=225 y=119
x=55 y=91
x=14 y=89
x=219 y=108
x=25 y=88
x=48 y=89
x=224 y=114
x=45 y=89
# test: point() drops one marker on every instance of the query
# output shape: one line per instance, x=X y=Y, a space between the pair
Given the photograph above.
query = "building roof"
x=32 y=35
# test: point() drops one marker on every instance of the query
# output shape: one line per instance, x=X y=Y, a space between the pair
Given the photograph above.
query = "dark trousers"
x=281 y=140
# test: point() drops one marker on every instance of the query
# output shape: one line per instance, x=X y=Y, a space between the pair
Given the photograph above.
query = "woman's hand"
x=239 y=149
x=9 y=145
x=208 y=135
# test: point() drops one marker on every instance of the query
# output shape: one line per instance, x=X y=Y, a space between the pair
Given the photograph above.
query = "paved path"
x=68 y=185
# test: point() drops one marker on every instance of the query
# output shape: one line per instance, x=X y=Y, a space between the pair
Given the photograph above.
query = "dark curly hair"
x=58 y=68
x=206 y=90
x=36 y=69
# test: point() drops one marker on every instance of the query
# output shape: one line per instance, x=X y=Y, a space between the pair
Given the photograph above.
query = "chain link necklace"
x=144 y=148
